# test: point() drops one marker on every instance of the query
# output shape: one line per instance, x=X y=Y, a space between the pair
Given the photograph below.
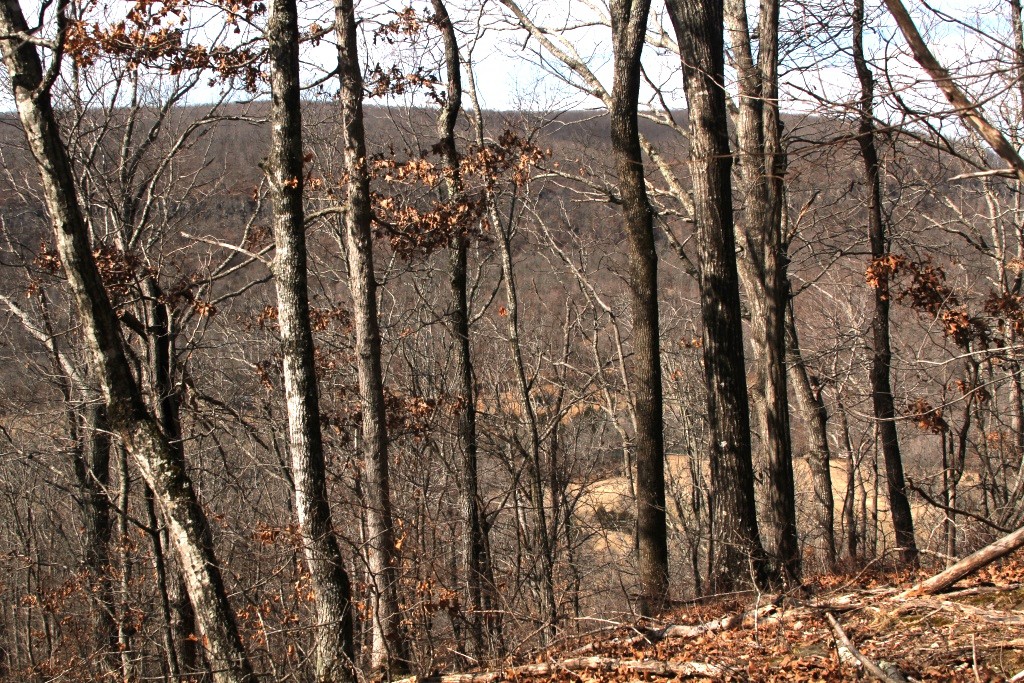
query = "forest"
x=317 y=365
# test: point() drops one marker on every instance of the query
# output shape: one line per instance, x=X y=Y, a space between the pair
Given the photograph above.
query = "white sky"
x=512 y=71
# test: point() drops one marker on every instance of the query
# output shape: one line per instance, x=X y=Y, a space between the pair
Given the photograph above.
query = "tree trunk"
x=850 y=501
x=92 y=470
x=333 y=649
x=542 y=542
x=126 y=412
x=166 y=401
x=762 y=165
x=809 y=401
x=967 y=566
x=740 y=557
x=629 y=27
x=881 y=388
x=390 y=646
x=478 y=591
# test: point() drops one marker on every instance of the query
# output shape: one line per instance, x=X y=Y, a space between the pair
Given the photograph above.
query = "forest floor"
x=973 y=632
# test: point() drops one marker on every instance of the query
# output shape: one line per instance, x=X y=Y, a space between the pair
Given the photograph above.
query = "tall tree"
x=163 y=468
x=629 y=30
x=698 y=26
x=475 y=546
x=390 y=645
x=761 y=160
x=333 y=649
x=881 y=358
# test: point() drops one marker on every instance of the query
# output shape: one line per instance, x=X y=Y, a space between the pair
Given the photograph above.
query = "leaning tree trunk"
x=333 y=648
x=127 y=416
x=479 y=593
x=166 y=402
x=390 y=646
x=629 y=28
x=809 y=401
x=740 y=557
x=881 y=359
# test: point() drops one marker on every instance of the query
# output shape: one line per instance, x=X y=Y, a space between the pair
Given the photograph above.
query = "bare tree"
x=128 y=416
x=738 y=550
x=881 y=386
x=390 y=646
x=475 y=545
x=761 y=160
x=629 y=29
x=333 y=650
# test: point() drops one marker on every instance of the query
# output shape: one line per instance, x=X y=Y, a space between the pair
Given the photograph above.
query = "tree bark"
x=881 y=387
x=967 y=566
x=629 y=29
x=739 y=553
x=166 y=402
x=390 y=646
x=126 y=412
x=333 y=649
x=763 y=267
x=474 y=543
x=92 y=470
x=809 y=401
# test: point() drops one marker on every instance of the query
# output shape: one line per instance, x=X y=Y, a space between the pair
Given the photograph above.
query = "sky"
x=512 y=71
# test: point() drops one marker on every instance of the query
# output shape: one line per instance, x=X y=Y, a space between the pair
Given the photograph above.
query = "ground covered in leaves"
x=973 y=632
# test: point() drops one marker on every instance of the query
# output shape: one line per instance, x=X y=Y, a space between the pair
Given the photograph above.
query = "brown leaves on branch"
x=881 y=269
x=407 y=22
x=382 y=81
x=321 y=319
x=120 y=271
x=152 y=34
x=407 y=211
x=1008 y=309
x=927 y=417
x=923 y=286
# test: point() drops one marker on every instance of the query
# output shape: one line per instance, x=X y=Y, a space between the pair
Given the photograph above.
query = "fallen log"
x=970 y=564
x=725 y=623
x=868 y=664
x=682 y=631
x=642 y=667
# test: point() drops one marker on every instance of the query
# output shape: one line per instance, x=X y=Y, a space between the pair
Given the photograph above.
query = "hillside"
x=862 y=626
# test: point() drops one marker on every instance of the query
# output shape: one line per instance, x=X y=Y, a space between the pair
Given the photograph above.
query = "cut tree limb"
x=970 y=564
x=645 y=667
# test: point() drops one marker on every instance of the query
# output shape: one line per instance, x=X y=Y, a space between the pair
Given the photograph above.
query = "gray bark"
x=333 y=648
x=390 y=645
x=162 y=468
x=763 y=267
x=808 y=400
